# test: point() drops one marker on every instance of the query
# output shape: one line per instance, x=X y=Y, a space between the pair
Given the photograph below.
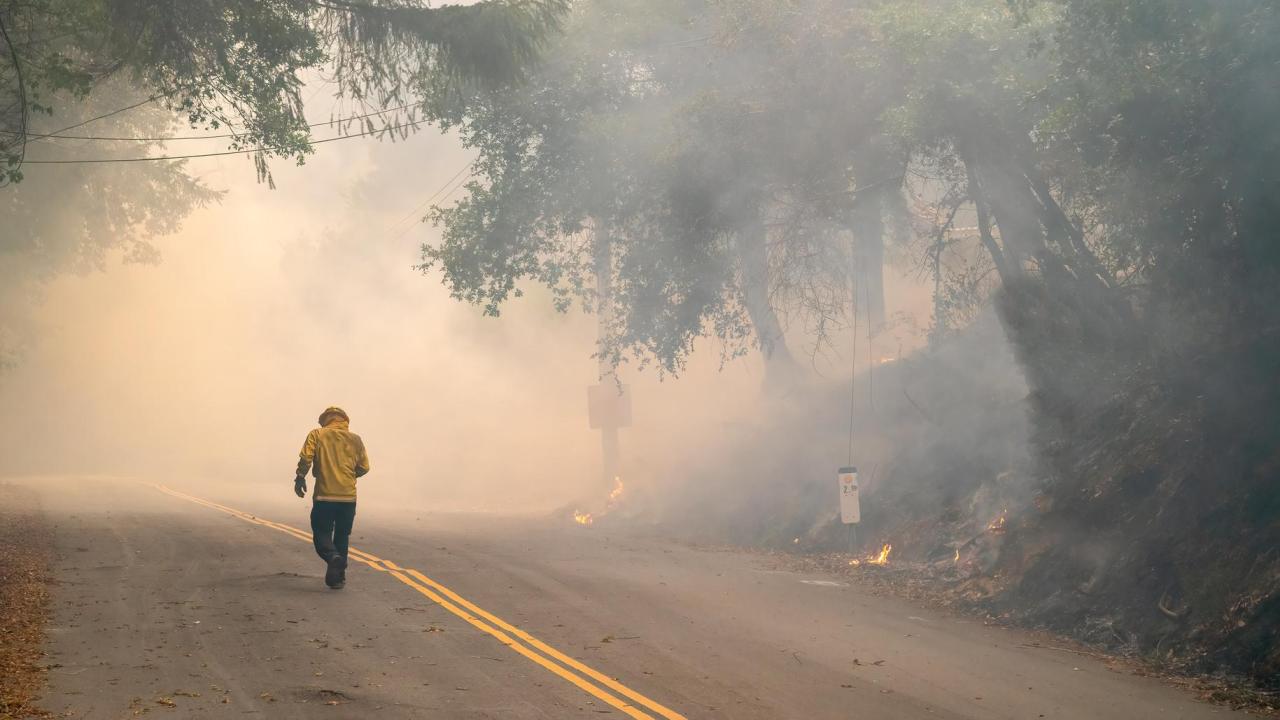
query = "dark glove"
x=300 y=486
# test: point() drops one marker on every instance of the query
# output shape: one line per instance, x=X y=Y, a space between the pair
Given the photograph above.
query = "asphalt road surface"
x=167 y=606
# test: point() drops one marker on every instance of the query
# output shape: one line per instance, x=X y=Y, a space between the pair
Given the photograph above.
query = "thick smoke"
x=209 y=365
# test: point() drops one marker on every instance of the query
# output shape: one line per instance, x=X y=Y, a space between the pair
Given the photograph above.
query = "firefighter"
x=336 y=457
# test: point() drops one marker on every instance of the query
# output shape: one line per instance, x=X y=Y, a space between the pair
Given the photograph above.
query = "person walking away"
x=336 y=457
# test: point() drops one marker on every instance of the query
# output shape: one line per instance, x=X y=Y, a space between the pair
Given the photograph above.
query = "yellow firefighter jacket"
x=339 y=458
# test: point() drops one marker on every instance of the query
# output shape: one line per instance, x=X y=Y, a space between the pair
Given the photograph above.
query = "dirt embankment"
x=1157 y=519
x=25 y=554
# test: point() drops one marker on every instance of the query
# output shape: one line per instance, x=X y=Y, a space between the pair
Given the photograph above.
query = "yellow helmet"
x=330 y=411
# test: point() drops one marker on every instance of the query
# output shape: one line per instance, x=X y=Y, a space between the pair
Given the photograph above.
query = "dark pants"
x=331 y=527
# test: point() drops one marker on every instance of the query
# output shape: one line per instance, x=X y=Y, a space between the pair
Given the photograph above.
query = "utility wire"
x=458 y=186
x=418 y=208
x=871 y=359
x=853 y=362
x=173 y=138
x=422 y=205
x=140 y=103
x=447 y=195
x=248 y=151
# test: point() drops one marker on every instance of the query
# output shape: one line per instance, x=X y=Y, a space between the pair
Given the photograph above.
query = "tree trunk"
x=753 y=255
x=1006 y=270
x=1065 y=322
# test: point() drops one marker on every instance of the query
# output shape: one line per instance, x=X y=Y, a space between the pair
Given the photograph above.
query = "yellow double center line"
x=592 y=681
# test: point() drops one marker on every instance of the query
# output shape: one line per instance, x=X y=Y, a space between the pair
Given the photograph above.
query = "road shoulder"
x=918 y=584
x=25 y=552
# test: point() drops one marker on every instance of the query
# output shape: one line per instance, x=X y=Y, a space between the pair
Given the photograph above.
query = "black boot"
x=336 y=576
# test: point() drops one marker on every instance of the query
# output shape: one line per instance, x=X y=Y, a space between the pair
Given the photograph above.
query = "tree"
x=1120 y=157
x=137 y=69
x=562 y=163
x=672 y=125
x=237 y=63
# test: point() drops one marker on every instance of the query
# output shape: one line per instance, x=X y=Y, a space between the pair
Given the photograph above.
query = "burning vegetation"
x=997 y=525
x=880 y=558
x=611 y=502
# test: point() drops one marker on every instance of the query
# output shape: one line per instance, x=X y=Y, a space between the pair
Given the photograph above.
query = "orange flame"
x=615 y=495
x=883 y=557
x=997 y=525
x=956 y=559
x=880 y=558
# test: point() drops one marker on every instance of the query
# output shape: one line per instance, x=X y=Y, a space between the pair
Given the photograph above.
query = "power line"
x=77 y=161
x=853 y=362
x=60 y=136
x=140 y=103
x=418 y=208
x=422 y=205
x=458 y=186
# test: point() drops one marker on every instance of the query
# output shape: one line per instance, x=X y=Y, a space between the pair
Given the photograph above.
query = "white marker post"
x=850 y=511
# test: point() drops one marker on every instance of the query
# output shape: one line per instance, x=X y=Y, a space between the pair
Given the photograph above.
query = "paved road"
x=170 y=607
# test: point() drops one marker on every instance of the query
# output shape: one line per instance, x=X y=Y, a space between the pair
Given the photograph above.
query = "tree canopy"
x=1065 y=132
x=238 y=64
x=127 y=74
x=661 y=137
